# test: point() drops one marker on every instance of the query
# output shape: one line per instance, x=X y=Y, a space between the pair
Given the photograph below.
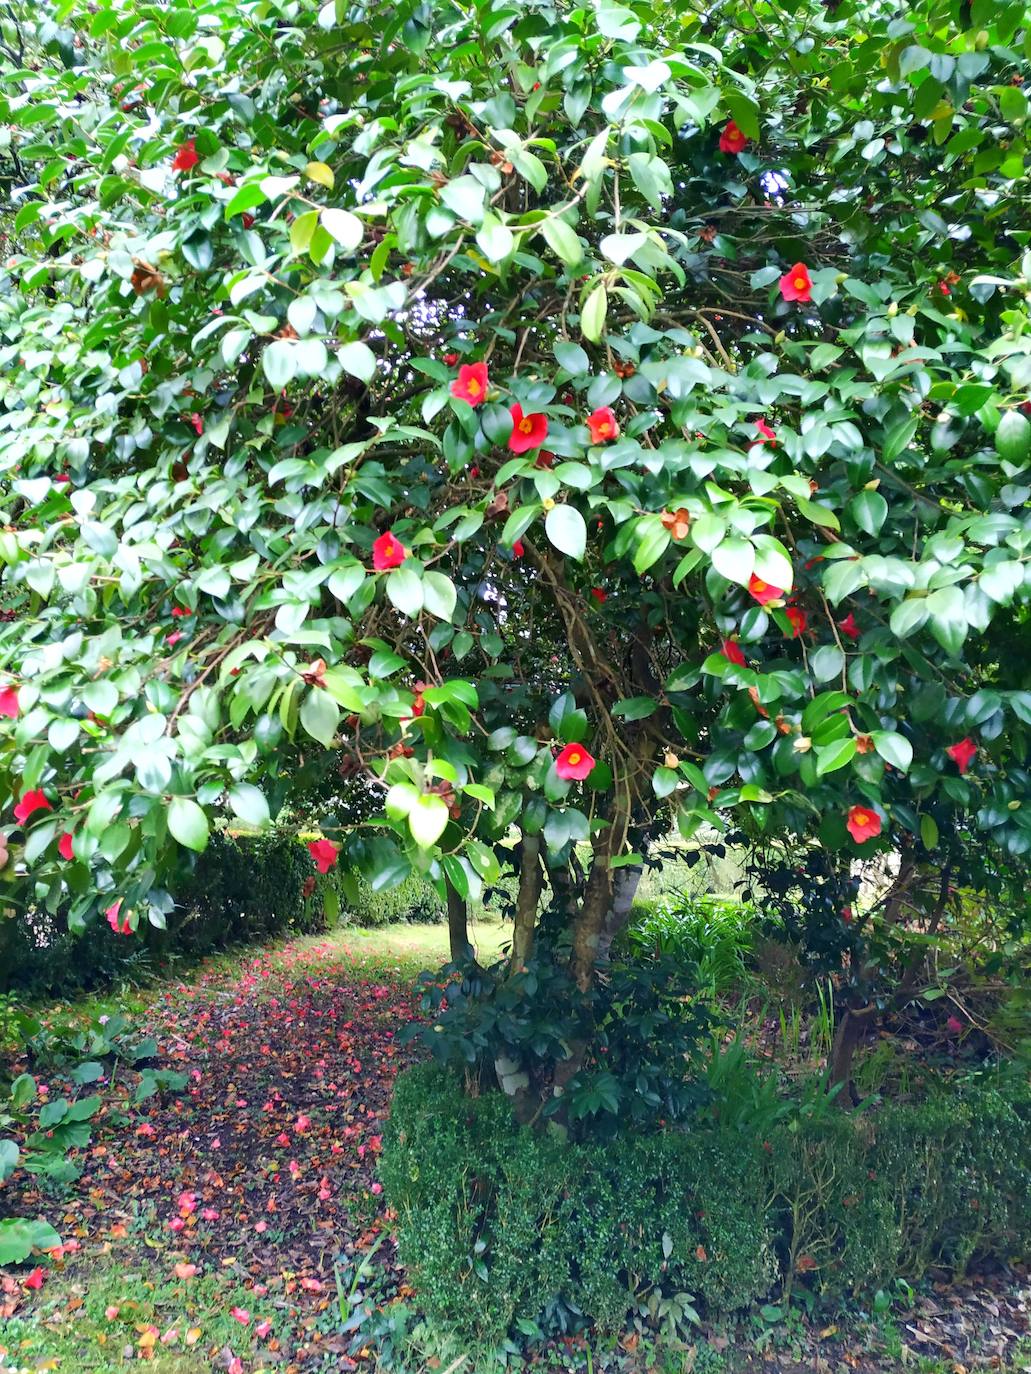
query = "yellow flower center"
x=388 y=551
x=525 y=425
x=760 y=586
x=574 y=758
x=861 y=818
x=799 y=283
x=474 y=387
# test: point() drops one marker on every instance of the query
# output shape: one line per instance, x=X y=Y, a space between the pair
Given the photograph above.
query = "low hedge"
x=500 y=1227
x=242 y=889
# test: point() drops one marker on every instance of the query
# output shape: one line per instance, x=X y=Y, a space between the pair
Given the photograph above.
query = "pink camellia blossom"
x=241 y=1315
x=387 y=552
x=764 y=592
x=9 y=702
x=731 y=650
x=962 y=754
x=528 y=431
x=732 y=140
x=863 y=824
x=766 y=433
x=119 y=926
x=849 y=627
x=64 y=846
x=574 y=763
x=955 y=1025
x=796 y=284
x=34 y=800
x=324 y=852
x=186 y=156
x=471 y=383
x=603 y=425
x=302 y=1123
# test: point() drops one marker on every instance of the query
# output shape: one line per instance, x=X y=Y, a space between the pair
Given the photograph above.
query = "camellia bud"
x=841 y=277
x=802 y=745
x=671 y=760
x=1013 y=805
x=893 y=309
x=548 y=504
x=911 y=310
x=981 y=40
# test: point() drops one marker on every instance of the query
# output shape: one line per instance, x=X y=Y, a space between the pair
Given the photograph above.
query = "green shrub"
x=712 y=933
x=500 y=1226
x=414 y=899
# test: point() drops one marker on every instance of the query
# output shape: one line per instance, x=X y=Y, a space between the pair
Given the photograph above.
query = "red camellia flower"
x=450 y=359
x=962 y=754
x=732 y=140
x=186 y=157
x=545 y=459
x=603 y=425
x=324 y=852
x=731 y=649
x=954 y=1025
x=9 y=702
x=863 y=824
x=471 y=383
x=765 y=432
x=528 y=431
x=574 y=763
x=798 y=620
x=600 y=596
x=31 y=801
x=178 y=611
x=35 y=1279
x=197 y=422
x=120 y=927
x=517 y=549
x=763 y=592
x=64 y=846
x=796 y=284
x=849 y=627
x=387 y=552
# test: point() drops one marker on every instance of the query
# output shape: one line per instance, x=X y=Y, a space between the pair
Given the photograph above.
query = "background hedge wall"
x=242 y=888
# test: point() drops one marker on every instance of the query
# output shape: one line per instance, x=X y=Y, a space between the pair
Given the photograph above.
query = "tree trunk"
x=859 y=1021
x=531 y=882
x=624 y=889
x=458 y=927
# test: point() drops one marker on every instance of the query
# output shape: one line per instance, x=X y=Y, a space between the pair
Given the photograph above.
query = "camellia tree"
x=558 y=422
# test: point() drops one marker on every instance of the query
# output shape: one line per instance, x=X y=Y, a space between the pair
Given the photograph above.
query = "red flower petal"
x=574 y=763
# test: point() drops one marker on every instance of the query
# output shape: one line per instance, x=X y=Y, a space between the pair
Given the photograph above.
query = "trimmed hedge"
x=242 y=889
x=499 y=1225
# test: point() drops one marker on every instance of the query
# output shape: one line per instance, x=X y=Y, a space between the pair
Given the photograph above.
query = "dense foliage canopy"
x=584 y=419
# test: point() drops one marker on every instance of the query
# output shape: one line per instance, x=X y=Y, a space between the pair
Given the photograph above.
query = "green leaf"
x=344 y=228
x=566 y=530
x=928 y=831
x=563 y=241
x=734 y=559
x=357 y=359
x=894 y=748
x=635 y=708
x=830 y=757
x=428 y=819
x=869 y=510
x=320 y=715
x=439 y=595
x=249 y=803
x=187 y=823
x=495 y=238
x=653 y=539
x=592 y=317
x=404 y=590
